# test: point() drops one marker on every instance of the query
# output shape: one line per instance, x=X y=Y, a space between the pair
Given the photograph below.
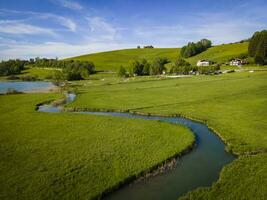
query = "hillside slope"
x=221 y=53
x=112 y=60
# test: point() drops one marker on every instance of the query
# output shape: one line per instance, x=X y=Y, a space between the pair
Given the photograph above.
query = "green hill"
x=112 y=60
x=221 y=53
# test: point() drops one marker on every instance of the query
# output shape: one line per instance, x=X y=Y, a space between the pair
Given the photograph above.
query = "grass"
x=112 y=60
x=76 y=156
x=39 y=73
x=221 y=53
x=233 y=104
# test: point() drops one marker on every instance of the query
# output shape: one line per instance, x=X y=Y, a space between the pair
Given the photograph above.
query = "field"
x=76 y=156
x=221 y=53
x=112 y=60
x=72 y=156
x=39 y=73
x=234 y=105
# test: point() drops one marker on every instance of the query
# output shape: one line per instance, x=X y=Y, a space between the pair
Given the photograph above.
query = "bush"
x=12 y=77
x=122 y=72
x=158 y=66
x=12 y=91
x=208 y=69
x=28 y=78
x=140 y=68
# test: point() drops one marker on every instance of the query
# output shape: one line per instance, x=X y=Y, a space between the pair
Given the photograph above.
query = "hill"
x=112 y=60
x=221 y=53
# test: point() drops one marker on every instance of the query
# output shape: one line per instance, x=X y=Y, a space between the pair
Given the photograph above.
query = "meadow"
x=234 y=105
x=73 y=156
x=112 y=60
x=76 y=156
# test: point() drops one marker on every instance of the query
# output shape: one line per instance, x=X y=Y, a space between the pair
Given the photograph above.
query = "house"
x=237 y=62
x=203 y=63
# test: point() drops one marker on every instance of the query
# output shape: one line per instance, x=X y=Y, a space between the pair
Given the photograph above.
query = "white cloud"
x=17 y=28
x=101 y=28
x=63 y=21
x=56 y=49
x=70 y=4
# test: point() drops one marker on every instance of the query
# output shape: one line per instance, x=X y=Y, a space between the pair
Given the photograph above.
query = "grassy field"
x=75 y=156
x=221 y=53
x=112 y=60
x=232 y=104
x=39 y=73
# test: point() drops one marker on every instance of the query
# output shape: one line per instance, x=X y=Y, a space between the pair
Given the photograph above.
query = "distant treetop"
x=192 y=48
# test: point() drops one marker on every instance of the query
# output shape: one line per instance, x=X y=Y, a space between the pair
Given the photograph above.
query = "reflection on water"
x=23 y=86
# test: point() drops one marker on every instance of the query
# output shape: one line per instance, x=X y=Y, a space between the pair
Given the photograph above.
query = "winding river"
x=199 y=168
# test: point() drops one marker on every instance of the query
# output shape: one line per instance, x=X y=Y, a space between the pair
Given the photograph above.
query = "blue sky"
x=62 y=28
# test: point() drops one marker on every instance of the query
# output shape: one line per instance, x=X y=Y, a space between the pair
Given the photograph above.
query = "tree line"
x=157 y=67
x=144 y=67
x=192 y=48
x=71 y=70
x=12 y=67
x=258 y=47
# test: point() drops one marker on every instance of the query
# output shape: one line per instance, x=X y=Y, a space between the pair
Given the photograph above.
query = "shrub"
x=208 y=69
x=28 y=78
x=158 y=66
x=122 y=72
x=12 y=91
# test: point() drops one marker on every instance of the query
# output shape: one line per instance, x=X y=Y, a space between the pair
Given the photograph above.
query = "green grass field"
x=232 y=104
x=221 y=53
x=112 y=60
x=39 y=73
x=76 y=156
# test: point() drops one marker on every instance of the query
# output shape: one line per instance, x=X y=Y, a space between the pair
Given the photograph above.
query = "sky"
x=64 y=28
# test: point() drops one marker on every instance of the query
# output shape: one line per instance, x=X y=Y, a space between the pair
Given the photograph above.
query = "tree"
x=122 y=72
x=181 y=67
x=12 y=67
x=58 y=77
x=158 y=66
x=258 y=47
x=146 y=67
x=137 y=68
x=192 y=48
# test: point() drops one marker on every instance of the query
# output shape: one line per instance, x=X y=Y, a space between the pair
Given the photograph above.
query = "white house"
x=236 y=62
x=203 y=63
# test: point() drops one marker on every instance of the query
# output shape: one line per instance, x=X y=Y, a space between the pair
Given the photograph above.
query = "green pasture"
x=76 y=156
x=234 y=105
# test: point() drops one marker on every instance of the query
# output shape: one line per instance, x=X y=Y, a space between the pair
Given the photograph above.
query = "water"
x=23 y=86
x=199 y=168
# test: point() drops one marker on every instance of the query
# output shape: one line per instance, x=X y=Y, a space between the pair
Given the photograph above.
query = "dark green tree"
x=122 y=72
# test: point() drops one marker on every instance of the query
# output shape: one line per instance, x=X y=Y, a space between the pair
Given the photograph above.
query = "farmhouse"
x=203 y=63
x=236 y=62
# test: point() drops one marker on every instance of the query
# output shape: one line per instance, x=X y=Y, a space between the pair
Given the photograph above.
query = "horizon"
x=67 y=28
